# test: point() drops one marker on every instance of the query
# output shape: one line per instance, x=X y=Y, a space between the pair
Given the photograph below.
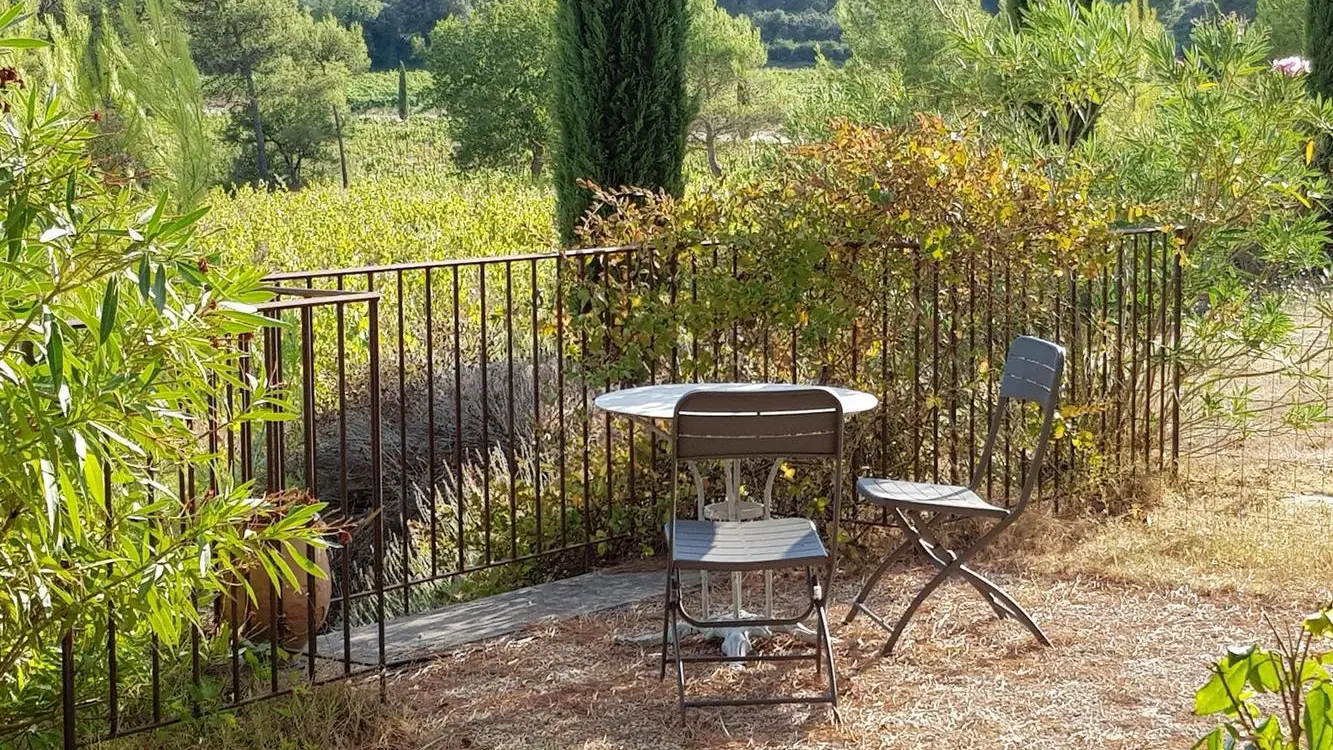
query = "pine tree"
x=402 y=92
x=621 y=109
x=130 y=61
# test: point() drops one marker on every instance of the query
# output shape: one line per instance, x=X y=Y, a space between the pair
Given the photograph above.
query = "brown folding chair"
x=1032 y=373
x=732 y=426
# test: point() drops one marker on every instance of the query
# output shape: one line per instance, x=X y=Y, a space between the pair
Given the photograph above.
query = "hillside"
x=794 y=29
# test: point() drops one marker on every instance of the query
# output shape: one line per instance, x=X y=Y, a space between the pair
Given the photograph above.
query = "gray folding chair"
x=1032 y=373
x=732 y=426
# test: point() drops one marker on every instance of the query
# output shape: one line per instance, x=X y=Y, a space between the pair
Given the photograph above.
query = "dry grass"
x=340 y=716
x=1121 y=675
x=1136 y=608
x=1261 y=550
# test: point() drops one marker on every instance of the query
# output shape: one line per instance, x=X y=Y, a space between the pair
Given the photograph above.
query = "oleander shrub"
x=113 y=331
x=1275 y=698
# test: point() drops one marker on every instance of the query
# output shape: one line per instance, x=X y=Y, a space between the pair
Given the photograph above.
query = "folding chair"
x=1032 y=373
x=731 y=426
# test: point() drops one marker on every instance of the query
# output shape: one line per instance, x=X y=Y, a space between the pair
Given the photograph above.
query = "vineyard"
x=406 y=202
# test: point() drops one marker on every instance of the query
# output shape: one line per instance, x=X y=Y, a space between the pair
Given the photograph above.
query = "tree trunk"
x=342 y=150
x=402 y=91
x=538 y=152
x=710 y=145
x=261 y=148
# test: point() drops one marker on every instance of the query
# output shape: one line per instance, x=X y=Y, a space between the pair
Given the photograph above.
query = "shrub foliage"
x=111 y=322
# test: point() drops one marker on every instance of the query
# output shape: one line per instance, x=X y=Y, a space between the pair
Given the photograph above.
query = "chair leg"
x=1000 y=601
x=667 y=606
x=1011 y=607
x=825 y=642
x=816 y=596
x=680 y=662
x=873 y=580
x=942 y=556
x=920 y=597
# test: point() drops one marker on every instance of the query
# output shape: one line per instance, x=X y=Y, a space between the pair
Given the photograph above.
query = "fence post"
x=69 y=735
x=1182 y=242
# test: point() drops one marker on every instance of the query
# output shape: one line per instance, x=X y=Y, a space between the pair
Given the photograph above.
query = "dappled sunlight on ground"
x=1137 y=608
x=1126 y=661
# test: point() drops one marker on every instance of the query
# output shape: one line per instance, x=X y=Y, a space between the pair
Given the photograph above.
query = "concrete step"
x=421 y=636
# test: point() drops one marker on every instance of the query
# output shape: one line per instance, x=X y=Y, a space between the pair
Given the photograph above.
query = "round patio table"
x=654 y=406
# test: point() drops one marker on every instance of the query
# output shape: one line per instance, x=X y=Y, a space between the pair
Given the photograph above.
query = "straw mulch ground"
x=1126 y=661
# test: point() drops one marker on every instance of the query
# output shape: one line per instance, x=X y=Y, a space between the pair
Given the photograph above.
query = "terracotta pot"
x=255 y=618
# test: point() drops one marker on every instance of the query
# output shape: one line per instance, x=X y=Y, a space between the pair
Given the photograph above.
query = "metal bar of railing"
x=939 y=378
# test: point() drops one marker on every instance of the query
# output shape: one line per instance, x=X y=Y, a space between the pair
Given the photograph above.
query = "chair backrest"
x=769 y=424
x=787 y=423
x=1033 y=371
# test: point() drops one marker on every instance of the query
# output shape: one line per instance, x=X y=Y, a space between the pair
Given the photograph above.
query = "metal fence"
x=139 y=683
x=1257 y=427
x=444 y=412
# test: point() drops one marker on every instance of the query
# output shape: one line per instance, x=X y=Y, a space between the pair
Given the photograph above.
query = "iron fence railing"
x=141 y=683
x=443 y=410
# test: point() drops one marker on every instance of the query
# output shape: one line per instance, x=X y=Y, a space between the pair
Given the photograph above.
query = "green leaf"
x=1214 y=740
x=72 y=504
x=22 y=43
x=112 y=434
x=110 y=301
x=145 y=277
x=1228 y=680
x=11 y=15
x=1318 y=718
x=55 y=347
x=159 y=211
x=303 y=560
x=1264 y=676
x=1269 y=733
x=1320 y=624
x=50 y=491
x=183 y=222
x=160 y=289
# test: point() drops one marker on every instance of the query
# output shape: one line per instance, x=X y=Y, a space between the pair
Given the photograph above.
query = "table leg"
x=732 y=469
x=768 y=513
x=706 y=600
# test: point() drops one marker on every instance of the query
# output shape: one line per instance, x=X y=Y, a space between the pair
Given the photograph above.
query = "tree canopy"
x=909 y=36
x=621 y=108
x=490 y=74
x=289 y=69
x=722 y=53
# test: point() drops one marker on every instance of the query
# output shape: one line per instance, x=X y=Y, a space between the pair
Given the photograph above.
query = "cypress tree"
x=402 y=92
x=1319 y=38
x=621 y=110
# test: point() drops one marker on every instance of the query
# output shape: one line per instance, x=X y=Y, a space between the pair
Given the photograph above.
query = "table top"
x=659 y=401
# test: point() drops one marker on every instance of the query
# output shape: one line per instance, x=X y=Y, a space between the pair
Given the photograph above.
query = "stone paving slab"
x=431 y=633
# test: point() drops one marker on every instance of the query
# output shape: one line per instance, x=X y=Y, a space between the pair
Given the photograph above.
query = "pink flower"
x=1292 y=66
